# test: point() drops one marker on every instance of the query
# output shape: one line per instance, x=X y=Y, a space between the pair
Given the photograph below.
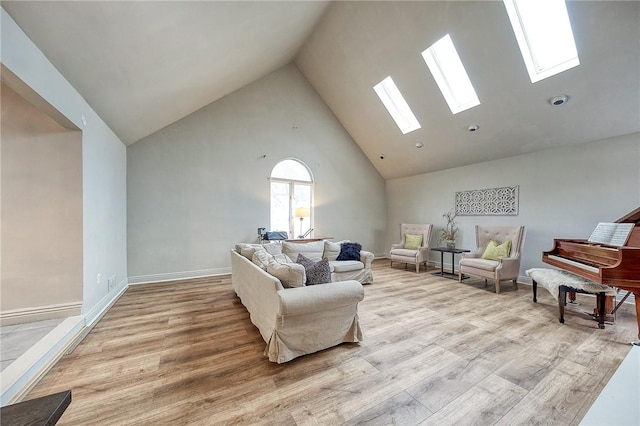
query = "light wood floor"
x=436 y=352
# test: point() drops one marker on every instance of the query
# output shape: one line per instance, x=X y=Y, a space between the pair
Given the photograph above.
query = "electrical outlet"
x=111 y=282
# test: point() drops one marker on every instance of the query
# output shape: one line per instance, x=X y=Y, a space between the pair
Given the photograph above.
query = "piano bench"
x=560 y=282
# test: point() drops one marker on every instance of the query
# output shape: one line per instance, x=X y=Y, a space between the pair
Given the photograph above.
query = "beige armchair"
x=407 y=256
x=507 y=268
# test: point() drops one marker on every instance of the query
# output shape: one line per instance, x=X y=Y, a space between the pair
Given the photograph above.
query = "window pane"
x=279 y=206
x=302 y=204
x=291 y=169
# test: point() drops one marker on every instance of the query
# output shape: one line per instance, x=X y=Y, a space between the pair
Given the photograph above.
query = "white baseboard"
x=59 y=310
x=101 y=308
x=172 y=276
x=22 y=374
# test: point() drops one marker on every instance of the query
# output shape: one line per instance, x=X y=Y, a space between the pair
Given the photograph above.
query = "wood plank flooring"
x=436 y=352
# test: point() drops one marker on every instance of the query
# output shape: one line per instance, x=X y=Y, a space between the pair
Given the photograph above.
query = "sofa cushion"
x=247 y=249
x=312 y=250
x=345 y=265
x=282 y=258
x=290 y=274
x=495 y=251
x=349 y=251
x=272 y=248
x=261 y=258
x=317 y=272
x=331 y=250
x=412 y=242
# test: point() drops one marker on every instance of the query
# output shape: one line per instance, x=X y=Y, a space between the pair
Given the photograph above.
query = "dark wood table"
x=453 y=252
x=44 y=411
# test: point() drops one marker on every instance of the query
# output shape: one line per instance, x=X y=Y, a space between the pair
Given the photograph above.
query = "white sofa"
x=298 y=320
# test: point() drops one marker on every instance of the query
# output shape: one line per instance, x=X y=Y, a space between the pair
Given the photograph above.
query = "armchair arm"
x=397 y=246
x=509 y=267
x=366 y=257
x=319 y=298
x=422 y=255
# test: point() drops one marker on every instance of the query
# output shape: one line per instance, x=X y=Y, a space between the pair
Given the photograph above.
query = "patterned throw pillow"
x=349 y=251
x=495 y=251
x=316 y=272
x=412 y=242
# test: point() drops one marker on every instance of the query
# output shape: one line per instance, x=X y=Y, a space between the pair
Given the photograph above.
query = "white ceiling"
x=144 y=65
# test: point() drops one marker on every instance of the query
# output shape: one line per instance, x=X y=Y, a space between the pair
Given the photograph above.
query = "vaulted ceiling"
x=143 y=65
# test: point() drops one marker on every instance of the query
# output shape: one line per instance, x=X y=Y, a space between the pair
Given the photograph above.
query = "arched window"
x=292 y=198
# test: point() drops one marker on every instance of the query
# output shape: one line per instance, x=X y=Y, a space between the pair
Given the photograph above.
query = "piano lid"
x=633 y=217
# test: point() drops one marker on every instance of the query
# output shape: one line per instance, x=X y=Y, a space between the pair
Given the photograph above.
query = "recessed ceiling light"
x=473 y=127
x=419 y=144
x=558 y=100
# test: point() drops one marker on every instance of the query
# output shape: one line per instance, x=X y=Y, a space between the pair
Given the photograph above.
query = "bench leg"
x=562 y=300
x=535 y=291
x=600 y=298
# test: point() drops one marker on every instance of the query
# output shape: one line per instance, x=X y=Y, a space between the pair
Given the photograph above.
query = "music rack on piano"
x=613 y=265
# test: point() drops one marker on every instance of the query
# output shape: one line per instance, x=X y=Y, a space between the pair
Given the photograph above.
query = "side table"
x=453 y=252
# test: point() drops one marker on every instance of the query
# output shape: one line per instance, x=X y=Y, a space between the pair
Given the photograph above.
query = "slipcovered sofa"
x=295 y=319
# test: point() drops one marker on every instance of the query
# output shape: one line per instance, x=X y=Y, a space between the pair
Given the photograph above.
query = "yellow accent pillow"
x=412 y=242
x=495 y=251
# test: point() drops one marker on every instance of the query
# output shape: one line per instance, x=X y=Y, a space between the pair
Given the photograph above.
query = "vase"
x=450 y=244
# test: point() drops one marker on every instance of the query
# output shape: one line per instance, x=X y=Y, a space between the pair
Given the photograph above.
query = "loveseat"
x=293 y=318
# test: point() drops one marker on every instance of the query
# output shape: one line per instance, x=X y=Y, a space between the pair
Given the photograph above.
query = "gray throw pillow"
x=316 y=272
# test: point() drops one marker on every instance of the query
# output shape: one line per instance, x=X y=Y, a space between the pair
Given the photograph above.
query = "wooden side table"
x=453 y=252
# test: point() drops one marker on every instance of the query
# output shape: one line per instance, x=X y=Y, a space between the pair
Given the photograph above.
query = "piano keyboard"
x=574 y=263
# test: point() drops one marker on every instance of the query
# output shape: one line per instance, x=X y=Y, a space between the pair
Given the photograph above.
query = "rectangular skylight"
x=448 y=71
x=393 y=100
x=544 y=35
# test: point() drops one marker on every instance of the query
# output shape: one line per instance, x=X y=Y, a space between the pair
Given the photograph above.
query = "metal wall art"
x=484 y=202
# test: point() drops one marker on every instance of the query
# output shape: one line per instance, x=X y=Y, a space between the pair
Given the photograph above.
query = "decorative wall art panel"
x=484 y=202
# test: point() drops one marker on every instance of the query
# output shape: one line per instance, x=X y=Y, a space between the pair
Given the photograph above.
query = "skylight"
x=392 y=99
x=448 y=71
x=544 y=35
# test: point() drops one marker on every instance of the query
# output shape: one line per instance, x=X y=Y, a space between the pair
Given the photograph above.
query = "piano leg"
x=572 y=298
x=636 y=294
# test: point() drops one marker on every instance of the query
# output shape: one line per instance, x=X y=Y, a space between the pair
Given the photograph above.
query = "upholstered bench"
x=559 y=282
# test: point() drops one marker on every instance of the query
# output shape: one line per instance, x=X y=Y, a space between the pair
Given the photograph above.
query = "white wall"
x=200 y=185
x=103 y=164
x=564 y=193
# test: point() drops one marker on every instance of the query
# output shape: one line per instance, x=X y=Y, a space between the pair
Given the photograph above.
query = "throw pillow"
x=495 y=251
x=412 y=242
x=289 y=274
x=261 y=258
x=349 y=251
x=316 y=272
x=331 y=250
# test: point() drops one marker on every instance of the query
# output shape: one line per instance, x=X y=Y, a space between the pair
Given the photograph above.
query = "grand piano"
x=616 y=266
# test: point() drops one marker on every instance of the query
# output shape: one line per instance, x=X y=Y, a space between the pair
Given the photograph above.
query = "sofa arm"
x=319 y=297
x=366 y=257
